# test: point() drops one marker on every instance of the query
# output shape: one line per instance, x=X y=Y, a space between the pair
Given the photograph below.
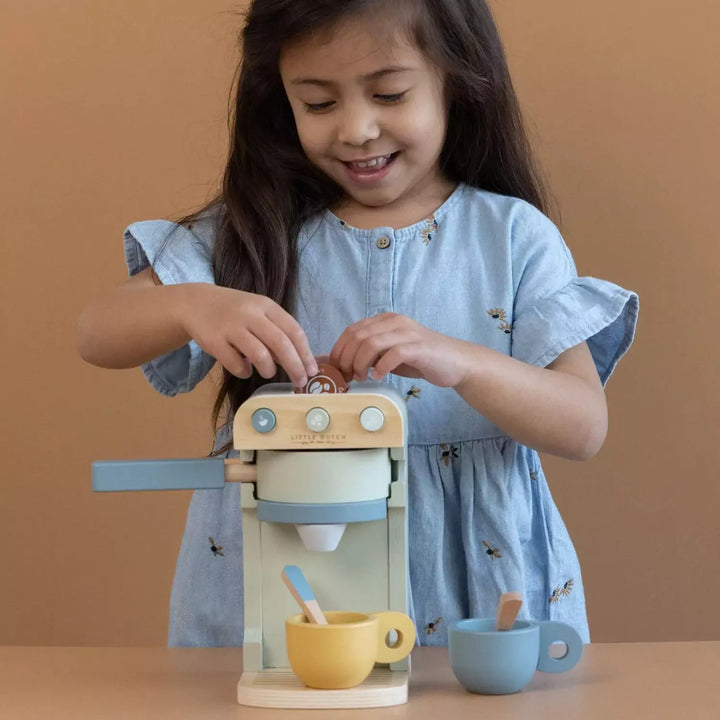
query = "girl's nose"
x=358 y=126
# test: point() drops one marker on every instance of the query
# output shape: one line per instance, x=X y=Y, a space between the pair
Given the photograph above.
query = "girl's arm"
x=134 y=323
x=141 y=320
x=559 y=409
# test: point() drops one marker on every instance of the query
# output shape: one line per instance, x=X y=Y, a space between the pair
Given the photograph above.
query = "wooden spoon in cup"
x=508 y=608
x=293 y=577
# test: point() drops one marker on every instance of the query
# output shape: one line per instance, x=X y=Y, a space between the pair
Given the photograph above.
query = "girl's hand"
x=241 y=329
x=394 y=343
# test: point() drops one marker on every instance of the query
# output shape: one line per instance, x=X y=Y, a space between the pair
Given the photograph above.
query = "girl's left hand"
x=392 y=343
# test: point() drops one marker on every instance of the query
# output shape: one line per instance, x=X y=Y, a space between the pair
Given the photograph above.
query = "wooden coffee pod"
x=328 y=379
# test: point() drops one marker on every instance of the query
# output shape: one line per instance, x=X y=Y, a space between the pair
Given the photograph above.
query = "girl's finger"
x=349 y=335
x=283 y=350
x=372 y=349
x=410 y=353
x=235 y=362
x=256 y=352
x=345 y=349
x=292 y=328
x=346 y=337
x=346 y=358
x=336 y=352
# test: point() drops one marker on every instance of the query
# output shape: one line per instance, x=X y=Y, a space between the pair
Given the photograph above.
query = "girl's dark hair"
x=270 y=189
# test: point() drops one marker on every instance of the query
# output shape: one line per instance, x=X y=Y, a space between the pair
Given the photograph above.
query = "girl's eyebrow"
x=370 y=76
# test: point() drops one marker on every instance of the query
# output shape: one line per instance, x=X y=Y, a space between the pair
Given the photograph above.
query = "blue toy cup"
x=498 y=662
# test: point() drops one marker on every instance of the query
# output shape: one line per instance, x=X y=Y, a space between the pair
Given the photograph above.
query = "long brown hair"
x=270 y=189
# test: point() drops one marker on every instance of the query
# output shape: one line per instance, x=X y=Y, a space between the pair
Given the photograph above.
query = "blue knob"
x=263 y=420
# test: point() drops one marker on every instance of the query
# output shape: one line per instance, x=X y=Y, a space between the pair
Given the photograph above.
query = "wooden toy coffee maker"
x=324 y=487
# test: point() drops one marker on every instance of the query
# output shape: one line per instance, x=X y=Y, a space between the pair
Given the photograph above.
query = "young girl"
x=380 y=205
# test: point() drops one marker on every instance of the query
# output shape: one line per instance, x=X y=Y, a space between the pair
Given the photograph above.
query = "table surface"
x=623 y=680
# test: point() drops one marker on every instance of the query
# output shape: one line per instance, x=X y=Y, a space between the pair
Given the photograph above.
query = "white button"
x=317 y=419
x=372 y=419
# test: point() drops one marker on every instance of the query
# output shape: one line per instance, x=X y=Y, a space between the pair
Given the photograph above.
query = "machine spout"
x=321 y=538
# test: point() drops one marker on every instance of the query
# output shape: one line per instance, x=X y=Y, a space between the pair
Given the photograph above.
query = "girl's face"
x=370 y=113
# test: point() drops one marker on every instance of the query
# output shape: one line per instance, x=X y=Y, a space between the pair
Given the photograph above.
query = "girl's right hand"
x=241 y=330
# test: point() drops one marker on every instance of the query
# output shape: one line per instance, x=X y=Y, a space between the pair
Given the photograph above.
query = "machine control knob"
x=263 y=420
x=372 y=419
x=317 y=419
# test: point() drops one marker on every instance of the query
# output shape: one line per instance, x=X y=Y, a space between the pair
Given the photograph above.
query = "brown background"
x=113 y=112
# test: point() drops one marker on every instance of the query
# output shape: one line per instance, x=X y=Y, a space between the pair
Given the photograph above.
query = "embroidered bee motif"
x=449 y=452
x=432 y=627
x=430 y=228
x=499 y=314
x=491 y=551
x=563 y=591
x=216 y=549
x=414 y=391
x=533 y=475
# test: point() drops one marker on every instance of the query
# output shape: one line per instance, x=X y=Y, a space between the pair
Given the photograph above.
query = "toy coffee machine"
x=324 y=487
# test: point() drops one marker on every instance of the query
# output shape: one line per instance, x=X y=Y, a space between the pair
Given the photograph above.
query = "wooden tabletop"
x=623 y=680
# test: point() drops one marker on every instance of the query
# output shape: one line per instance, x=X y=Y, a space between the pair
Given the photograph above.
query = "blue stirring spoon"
x=297 y=584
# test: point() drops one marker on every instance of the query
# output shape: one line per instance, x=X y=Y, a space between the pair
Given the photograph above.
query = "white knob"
x=317 y=419
x=372 y=419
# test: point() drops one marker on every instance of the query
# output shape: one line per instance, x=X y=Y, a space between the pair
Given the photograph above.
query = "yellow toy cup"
x=342 y=653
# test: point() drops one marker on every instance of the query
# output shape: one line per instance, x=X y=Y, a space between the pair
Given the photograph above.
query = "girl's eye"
x=318 y=107
x=387 y=99
x=397 y=97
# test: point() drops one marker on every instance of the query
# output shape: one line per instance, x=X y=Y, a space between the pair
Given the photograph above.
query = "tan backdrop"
x=114 y=112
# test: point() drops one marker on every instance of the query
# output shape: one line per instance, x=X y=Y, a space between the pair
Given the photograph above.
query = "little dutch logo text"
x=317 y=437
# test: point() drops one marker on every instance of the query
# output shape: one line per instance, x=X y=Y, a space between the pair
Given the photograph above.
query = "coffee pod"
x=328 y=379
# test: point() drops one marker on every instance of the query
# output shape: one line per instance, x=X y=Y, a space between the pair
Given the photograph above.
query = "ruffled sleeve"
x=177 y=255
x=556 y=310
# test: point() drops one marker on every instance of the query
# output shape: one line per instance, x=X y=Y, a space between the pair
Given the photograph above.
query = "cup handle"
x=403 y=626
x=551 y=632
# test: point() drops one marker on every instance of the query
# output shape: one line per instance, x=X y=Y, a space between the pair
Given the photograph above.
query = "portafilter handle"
x=171 y=474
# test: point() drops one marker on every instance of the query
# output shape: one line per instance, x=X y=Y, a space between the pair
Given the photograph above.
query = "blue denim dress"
x=486 y=268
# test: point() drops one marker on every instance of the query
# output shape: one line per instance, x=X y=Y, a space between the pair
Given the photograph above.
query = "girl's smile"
x=371 y=170
x=370 y=113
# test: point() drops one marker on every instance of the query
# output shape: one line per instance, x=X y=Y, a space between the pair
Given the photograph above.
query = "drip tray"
x=280 y=688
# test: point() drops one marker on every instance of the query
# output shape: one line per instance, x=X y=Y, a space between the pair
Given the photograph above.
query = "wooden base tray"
x=280 y=688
